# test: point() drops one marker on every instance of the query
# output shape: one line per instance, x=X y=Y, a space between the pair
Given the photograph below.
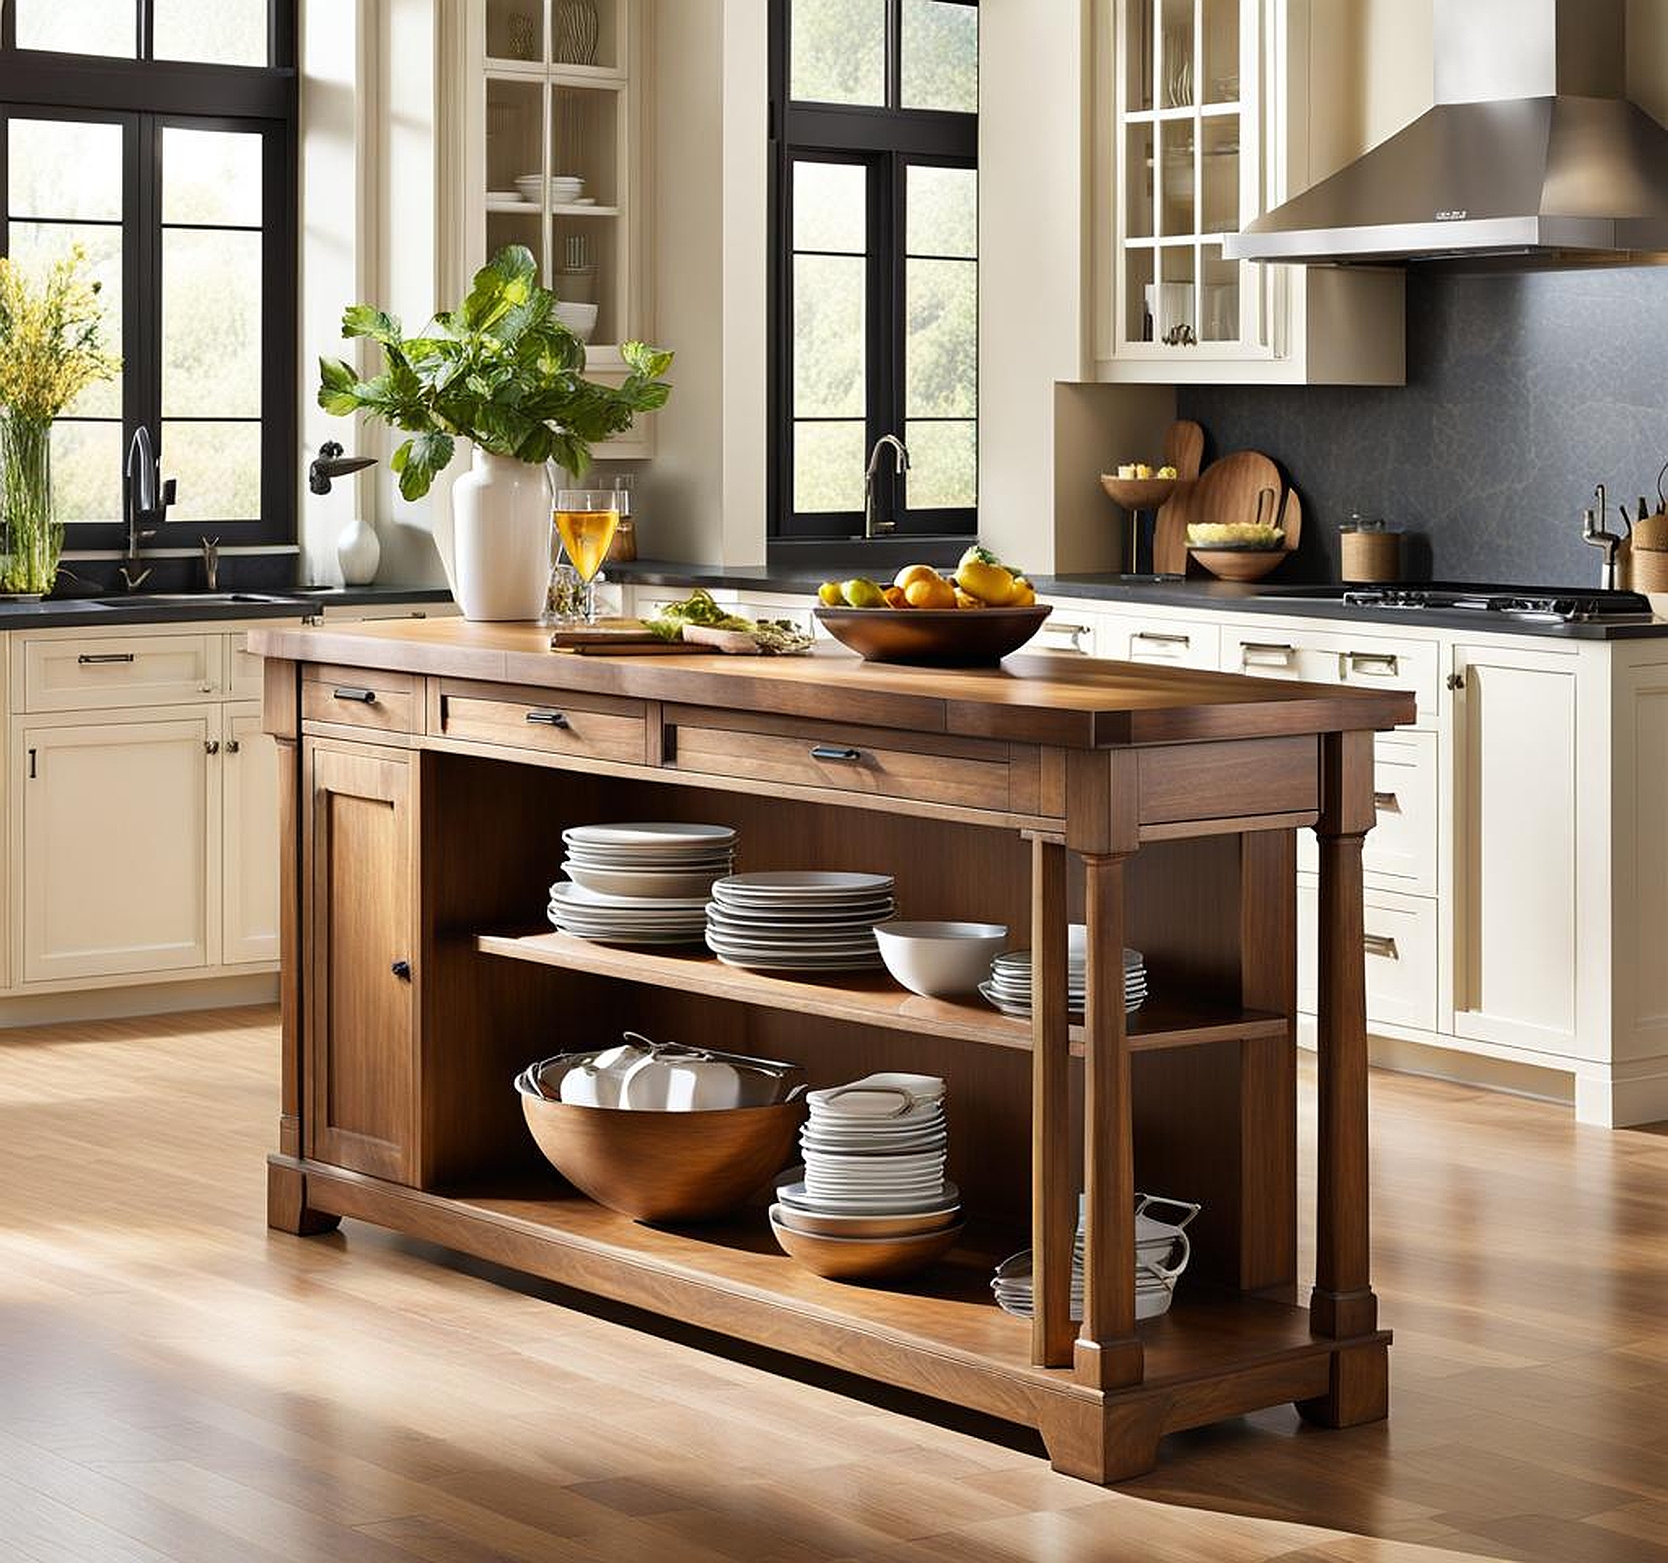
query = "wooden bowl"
x=934 y=637
x=665 y=1166
x=1239 y=564
x=864 y=1258
x=1138 y=493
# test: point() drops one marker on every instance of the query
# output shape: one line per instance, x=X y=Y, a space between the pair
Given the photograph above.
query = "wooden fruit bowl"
x=934 y=637
x=864 y=1258
x=665 y=1166
x=1138 y=493
x=1239 y=564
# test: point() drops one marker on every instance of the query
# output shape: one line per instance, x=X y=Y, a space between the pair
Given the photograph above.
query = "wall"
x=1523 y=392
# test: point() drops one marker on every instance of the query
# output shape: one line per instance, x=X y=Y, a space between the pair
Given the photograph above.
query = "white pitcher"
x=501 y=530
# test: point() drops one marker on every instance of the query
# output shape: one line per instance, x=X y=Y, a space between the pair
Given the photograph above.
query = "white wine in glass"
x=586 y=520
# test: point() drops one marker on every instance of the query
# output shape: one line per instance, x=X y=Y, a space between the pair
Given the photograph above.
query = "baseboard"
x=150 y=998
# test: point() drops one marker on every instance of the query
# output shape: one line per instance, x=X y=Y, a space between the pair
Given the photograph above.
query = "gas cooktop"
x=1527 y=604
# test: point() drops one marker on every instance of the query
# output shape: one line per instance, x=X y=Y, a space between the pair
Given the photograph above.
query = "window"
x=159 y=135
x=875 y=308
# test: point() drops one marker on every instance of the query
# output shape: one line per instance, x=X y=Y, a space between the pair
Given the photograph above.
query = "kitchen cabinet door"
x=120 y=844
x=1515 y=869
x=250 y=846
x=358 y=910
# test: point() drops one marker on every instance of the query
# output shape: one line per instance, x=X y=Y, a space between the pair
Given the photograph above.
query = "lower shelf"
x=1214 y=1355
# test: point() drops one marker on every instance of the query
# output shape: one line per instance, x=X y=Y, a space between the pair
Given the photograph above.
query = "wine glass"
x=586 y=520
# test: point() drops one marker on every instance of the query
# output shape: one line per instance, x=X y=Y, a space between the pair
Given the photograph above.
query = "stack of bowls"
x=1162 y=1251
x=644 y=883
x=872 y=1199
x=563 y=189
x=1009 y=987
x=813 y=921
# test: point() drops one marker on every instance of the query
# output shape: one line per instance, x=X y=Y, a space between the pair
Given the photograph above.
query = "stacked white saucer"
x=874 y=1159
x=811 y=921
x=1162 y=1251
x=642 y=883
x=1009 y=987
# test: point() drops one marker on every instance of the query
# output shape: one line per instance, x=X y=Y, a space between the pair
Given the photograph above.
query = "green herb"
x=779 y=637
x=500 y=370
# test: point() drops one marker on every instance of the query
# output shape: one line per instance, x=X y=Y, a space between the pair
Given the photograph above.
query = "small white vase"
x=501 y=538
x=359 y=552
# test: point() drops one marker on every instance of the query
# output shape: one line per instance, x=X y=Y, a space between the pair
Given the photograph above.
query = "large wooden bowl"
x=1240 y=564
x=665 y=1166
x=1138 y=493
x=865 y=1258
x=934 y=637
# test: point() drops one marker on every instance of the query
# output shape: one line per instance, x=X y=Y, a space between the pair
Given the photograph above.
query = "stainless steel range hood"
x=1532 y=151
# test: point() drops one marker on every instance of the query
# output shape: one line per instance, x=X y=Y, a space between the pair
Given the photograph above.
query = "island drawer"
x=600 y=727
x=361 y=697
x=959 y=773
x=93 y=673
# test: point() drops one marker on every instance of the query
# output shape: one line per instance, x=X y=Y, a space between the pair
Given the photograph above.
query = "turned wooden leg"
x=1108 y=1353
x=1360 y=1391
x=286 y=1204
x=1053 y=1184
x=1102 y=1443
x=1342 y=1303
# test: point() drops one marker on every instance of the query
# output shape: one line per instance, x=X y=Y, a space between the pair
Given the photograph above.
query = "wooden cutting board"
x=1184 y=449
x=1170 y=530
x=1228 y=491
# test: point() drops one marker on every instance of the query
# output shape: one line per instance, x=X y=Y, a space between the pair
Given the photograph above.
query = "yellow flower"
x=51 y=337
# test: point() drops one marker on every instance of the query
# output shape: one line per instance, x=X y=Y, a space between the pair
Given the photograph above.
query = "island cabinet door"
x=358 y=910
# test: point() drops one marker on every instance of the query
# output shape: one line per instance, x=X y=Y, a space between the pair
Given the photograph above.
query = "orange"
x=934 y=593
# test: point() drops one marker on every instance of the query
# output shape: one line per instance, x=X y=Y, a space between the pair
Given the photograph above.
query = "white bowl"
x=940 y=960
x=580 y=319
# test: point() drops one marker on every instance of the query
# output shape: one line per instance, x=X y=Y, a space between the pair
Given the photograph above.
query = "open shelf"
x=864 y=998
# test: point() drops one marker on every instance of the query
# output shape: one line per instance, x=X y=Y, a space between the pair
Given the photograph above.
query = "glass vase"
x=34 y=538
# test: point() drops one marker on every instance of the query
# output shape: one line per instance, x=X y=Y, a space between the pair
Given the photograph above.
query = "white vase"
x=359 y=552
x=500 y=538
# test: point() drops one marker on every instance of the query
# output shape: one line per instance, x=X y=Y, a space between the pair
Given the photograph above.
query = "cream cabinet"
x=249 y=839
x=1208 y=113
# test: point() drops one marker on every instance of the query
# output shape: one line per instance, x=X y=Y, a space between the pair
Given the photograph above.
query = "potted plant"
x=504 y=373
x=51 y=350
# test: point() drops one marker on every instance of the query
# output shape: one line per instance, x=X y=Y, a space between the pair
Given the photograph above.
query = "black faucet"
x=147 y=500
x=331 y=463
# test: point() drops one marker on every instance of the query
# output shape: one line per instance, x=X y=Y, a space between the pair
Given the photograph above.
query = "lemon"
x=933 y=592
x=830 y=595
x=1025 y=594
x=863 y=593
x=911 y=573
x=990 y=583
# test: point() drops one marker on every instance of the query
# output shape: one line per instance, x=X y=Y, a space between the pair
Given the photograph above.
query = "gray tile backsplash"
x=1524 y=390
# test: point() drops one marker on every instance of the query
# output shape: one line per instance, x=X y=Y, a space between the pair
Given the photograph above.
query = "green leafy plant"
x=500 y=370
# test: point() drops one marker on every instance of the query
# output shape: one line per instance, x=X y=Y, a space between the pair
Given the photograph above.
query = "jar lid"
x=1360 y=523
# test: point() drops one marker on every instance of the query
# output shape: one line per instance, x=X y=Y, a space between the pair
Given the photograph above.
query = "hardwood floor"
x=177 y=1383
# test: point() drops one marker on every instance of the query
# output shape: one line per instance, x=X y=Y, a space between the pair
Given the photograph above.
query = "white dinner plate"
x=795 y=1194
x=650 y=832
x=567 y=893
x=797 y=884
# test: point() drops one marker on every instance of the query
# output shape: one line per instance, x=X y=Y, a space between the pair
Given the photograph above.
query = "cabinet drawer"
x=594 y=726
x=360 y=697
x=1400 y=853
x=131 y=670
x=1171 y=642
x=1400 y=953
x=1324 y=657
x=1068 y=628
x=962 y=773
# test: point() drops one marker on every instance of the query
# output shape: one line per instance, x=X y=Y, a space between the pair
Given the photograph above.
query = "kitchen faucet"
x=148 y=499
x=1598 y=535
x=900 y=466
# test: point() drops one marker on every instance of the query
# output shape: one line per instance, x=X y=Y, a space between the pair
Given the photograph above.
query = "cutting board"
x=1184 y=449
x=1228 y=491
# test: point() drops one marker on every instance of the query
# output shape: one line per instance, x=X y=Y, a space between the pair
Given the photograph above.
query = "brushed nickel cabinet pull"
x=547 y=718
x=365 y=697
x=1374 y=661
x=1381 y=944
x=97 y=659
x=1385 y=800
x=844 y=756
x=1162 y=638
x=1262 y=648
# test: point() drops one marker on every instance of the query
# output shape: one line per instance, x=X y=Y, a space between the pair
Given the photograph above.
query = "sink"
x=211 y=598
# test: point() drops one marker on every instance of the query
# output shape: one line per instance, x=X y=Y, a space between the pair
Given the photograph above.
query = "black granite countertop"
x=1288 y=600
x=208 y=608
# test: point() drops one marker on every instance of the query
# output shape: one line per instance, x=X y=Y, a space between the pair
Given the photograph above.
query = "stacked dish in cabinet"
x=812 y=922
x=871 y=1199
x=1009 y=987
x=645 y=883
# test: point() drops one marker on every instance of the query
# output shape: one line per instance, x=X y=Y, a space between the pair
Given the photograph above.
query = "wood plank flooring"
x=177 y=1383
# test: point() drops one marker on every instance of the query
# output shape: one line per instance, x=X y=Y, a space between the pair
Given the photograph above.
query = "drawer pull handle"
x=1386 y=800
x=365 y=697
x=829 y=752
x=1374 y=662
x=1073 y=630
x=1162 y=638
x=1265 y=649
x=99 y=659
x=1381 y=944
x=547 y=719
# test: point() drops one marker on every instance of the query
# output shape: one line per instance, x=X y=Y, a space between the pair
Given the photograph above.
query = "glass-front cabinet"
x=547 y=118
x=1199 y=105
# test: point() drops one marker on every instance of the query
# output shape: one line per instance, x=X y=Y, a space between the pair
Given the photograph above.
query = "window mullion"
x=147 y=245
x=145 y=24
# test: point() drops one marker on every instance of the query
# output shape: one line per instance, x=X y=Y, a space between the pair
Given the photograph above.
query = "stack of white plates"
x=874 y=1158
x=1161 y=1254
x=1009 y=988
x=644 y=883
x=564 y=189
x=810 y=921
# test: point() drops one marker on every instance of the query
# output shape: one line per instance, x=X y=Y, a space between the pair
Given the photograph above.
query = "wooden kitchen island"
x=428 y=772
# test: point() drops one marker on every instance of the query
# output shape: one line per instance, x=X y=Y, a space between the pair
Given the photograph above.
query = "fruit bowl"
x=1230 y=563
x=1138 y=493
x=934 y=637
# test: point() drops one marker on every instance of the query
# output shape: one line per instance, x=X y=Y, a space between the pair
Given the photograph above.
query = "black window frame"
x=887 y=141
x=147 y=96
